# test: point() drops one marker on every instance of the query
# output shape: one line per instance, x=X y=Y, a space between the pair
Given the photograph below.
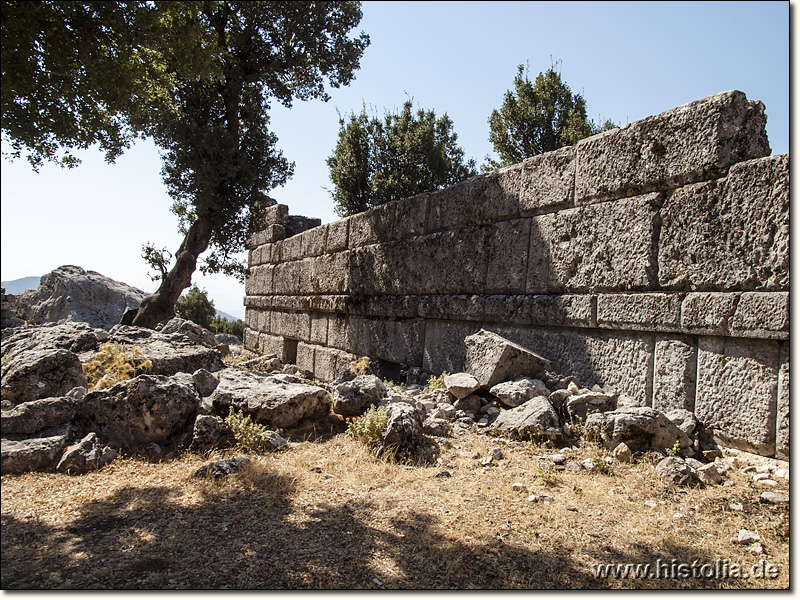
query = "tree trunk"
x=160 y=306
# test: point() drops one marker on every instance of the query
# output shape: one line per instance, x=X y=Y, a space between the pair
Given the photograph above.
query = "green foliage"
x=220 y=324
x=82 y=73
x=546 y=471
x=538 y=117
x=436 y=383
x=379 y=160
x=114 y=363
x=195 y=306
x=368 y=427
x=675 y=450
x=248 y=435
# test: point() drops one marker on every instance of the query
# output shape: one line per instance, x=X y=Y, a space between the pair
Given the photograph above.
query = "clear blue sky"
x=628 y=59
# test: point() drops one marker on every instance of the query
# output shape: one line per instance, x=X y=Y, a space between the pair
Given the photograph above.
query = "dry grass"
x=337 y=517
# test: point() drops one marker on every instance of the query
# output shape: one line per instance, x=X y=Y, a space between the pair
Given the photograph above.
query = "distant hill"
x=226 y=316
x=17 y=286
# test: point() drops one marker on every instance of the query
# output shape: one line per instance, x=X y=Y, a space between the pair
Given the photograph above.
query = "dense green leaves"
x=379 y=160
x=538 y=117
x=82 y=73
x=195 y=306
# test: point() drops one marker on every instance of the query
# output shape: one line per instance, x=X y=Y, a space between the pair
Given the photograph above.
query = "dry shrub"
x=113 y=363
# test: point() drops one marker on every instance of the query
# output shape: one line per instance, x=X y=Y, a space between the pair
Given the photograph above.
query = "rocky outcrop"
x=403 y=434
x=641 y=428
x=74 y=294
x=86 y=455
x=35 y=374
x=531 y=420
x=134 y=414
x=210 y=432
x=354 y=397
x=39 y=452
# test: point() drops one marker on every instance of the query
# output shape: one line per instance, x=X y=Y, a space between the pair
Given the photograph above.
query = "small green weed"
x=248 y=435
x=368 y=427
x=436 y=383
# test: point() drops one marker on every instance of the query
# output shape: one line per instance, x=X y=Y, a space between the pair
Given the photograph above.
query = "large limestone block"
x=327 y=274
x=36 y=415
x=492 y=359
x=268 y=400
x=411 y=216
x=737 y=389
x=563 y=310
x=444 y=345
x=761 y=315
x=674 y=373
x=336 y=236
x=642 y=312
x=782 y=434
x=354 y=397
x=729 y=235
x=330 y=363
x=507 y=256
x=35 y=374
x=639 y=427
x=623 y=361
x=483 y=199
x=694 y=142
x=548 y=182
x=400 y=341
x=41 y=452
x=602 y=247
x=142 y=411
x=708 y=313
x=467 y=307
x=532 y=419
x=373 y=226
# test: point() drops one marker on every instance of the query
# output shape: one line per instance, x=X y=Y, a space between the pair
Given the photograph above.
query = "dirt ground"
x=330 y=515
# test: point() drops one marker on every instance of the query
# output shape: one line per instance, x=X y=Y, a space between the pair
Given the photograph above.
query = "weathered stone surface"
x=36 y=415
x=580 y=406
x=693 y=142
x=482 y=199
x=75 y=294
x=139 y=412
x=403 y=433
x=708 y=313
x=411 y=215
x=761 y=315
x=398 y=340
x=72 y=336
x=507 y=255
x=86 y=455
x=737 y=387
x=520 y=390
x=639 y=427
x=535 y=418
x=548 y=182
x=168 y=353
x=330 y=363
x=470 y=404
x=642 y=312
x=774 y=498
x=461 y=385
x=682 y=419
x=210 y=432
x=268 y=400
x=193 y=331
x=603 y=247
x=445 y=350
x=674 y=373
x=437 y=427
x=729 y=235
x=675 y=469
x=354 y=397
x=21 y=453
x=563 y=310
x=204 y=382
x=452 y=306
x=492 y=359
x=782 y=418
x=36 y=374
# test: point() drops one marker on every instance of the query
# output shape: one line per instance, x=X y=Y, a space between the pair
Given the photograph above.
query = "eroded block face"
x=548 y=182
x=674 y=373
x=782 y=434
x=604 y=247
x=693 y=142
x=737 y=391
x=730 y=234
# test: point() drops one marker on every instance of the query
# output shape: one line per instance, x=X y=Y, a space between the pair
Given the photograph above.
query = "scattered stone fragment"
x=210 y=432
x=760 y=476
x=588 y=464
x=736 y=506
x=222 y=468
x=639 y=427
x=496 y=453
x=747 y=537
x=470 y=404
x=708 y=474
x=557 y=459
x=516 y=392
x=534 y=418
x=651 y=503
x=486 y=461
x=492 y=359
x=782 y=473
x=756 y=549
x=461 y=385
x=86 y=455
x=437 y=427
x=774 y=498
x=768 y=483
x=676 y=470
x=623 y=453
x=354 y=397
x=444 y=474
x=519 y=487
x=573 y=466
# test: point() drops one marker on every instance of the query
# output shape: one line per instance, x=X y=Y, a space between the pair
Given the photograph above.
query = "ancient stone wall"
x=652 y=258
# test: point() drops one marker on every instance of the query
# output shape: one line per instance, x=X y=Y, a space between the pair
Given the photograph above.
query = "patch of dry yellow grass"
x=330 y=515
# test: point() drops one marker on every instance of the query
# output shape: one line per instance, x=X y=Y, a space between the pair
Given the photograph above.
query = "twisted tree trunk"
x=160 y=306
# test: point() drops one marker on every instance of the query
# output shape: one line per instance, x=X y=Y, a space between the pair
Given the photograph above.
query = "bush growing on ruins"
x=379 y=160
x=436 y=383
x=195 y=306
x=538 y=117
x=248 y=435
x=368 y=427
